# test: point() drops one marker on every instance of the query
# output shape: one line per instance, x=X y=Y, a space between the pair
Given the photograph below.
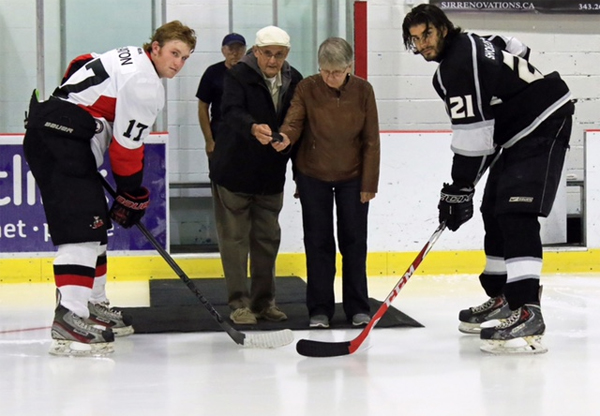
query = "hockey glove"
x=129 y=207
x=456 y=206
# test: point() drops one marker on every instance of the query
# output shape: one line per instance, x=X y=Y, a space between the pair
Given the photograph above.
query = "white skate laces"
x=103 y=316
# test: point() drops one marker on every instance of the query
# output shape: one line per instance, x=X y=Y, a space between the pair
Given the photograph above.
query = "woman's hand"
x=366 y=196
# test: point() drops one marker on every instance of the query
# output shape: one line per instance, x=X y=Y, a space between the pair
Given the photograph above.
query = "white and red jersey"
x=123 y=92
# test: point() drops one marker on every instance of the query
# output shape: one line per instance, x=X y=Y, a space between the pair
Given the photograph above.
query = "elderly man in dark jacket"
x=248 y=174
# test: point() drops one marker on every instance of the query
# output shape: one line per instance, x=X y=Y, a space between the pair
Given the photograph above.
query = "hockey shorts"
x=64 y=168
x=526 y=176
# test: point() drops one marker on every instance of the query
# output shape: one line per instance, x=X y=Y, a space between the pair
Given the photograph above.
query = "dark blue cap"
x=233 y=38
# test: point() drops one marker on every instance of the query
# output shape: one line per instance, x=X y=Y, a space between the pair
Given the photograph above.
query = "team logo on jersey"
x=99 y=126
x=488 y=50
x=97 y=223
x=524 y=199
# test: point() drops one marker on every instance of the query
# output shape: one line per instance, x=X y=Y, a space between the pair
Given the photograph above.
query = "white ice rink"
x=433 y=370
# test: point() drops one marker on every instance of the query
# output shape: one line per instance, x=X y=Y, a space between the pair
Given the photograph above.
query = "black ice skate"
x=472 y=318
x=521 y=333
x=72 y=336
x=103 y=316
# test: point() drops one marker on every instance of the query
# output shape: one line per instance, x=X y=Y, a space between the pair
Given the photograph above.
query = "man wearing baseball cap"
x=210 y=89
x=248 y=171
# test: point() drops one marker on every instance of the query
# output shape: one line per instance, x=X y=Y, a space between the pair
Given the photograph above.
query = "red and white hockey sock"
x=74 y=271
x=99 y=288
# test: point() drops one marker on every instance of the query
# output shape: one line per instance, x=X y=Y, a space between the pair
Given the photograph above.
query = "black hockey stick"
x=263 y=340
x=310 y=348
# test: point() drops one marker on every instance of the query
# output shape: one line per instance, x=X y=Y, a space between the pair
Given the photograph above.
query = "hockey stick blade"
x=269 y=340
x=312 y=348
x=273 y=339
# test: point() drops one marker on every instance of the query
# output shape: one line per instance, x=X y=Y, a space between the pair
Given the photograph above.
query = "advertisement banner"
x=23 y=227
x=540 y=6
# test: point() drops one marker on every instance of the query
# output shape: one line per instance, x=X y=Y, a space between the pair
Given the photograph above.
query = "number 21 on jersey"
x=461 y=107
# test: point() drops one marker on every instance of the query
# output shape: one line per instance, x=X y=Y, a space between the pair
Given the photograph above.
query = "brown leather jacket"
x=336 y=132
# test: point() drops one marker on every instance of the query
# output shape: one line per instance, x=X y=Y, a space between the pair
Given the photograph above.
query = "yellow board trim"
x=140 y=268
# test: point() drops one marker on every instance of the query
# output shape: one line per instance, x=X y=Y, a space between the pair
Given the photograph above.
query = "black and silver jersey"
x=494 y=97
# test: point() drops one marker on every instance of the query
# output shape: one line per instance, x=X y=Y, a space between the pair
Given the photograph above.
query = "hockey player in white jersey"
x=106 y=103
x=508 y=117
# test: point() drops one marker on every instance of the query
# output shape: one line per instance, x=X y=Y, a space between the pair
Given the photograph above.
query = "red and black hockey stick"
x=310 y=348
x=272 y=339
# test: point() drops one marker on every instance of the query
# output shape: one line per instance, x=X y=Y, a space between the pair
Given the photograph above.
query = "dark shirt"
x=210 y=91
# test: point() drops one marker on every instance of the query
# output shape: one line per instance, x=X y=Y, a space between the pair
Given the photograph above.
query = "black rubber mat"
x=174 y=308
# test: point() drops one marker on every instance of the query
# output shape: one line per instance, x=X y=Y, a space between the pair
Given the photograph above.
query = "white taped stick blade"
x=273 y=339
x=79 y=349
x=524 y=345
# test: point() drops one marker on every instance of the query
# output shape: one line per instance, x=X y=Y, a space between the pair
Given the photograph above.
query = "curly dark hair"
x=429 y=15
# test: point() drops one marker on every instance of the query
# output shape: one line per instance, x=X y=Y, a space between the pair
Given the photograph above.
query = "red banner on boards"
x=540 y=6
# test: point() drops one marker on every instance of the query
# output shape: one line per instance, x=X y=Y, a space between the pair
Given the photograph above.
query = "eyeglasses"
x=279 y=56
x=419 y=40
x=336 y=74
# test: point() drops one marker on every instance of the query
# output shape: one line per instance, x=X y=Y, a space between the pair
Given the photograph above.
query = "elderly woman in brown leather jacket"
x=334 y=125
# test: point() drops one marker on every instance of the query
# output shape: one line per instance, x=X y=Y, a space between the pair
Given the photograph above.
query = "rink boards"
x=401 y=219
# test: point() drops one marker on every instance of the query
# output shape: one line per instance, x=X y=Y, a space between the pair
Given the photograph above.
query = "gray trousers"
x=247 y=225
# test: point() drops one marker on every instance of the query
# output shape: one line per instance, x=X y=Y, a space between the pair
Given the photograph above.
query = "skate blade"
x=117 y=332
x=467 y=328
x=524 y=345
x=123 y=331
x=79 y=349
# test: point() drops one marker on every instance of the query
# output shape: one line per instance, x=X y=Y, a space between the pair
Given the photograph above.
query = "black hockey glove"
x=129 y=207
x=456 y=206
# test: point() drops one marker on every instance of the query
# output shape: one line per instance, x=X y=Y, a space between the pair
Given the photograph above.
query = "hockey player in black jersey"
x=508 y=117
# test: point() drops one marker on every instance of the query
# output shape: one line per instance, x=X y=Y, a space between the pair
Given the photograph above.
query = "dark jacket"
x=240 y=162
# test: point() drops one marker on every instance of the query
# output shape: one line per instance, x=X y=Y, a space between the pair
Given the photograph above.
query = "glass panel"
x=296 y=18
x=308 y=23
x=249 y=17
x=71 y=27
x=98 y=26
x=18 y=63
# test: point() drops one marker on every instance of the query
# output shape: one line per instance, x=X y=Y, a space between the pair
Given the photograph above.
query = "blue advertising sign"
x=23 y=227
